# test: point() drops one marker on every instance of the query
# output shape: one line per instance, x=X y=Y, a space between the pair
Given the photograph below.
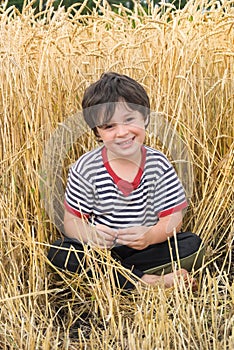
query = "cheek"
x=106 y=136
x=140 y=131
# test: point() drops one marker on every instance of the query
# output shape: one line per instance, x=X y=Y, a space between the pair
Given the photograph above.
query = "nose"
x=121 y=129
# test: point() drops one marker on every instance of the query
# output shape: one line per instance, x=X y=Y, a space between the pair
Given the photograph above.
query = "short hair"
x=101 y=97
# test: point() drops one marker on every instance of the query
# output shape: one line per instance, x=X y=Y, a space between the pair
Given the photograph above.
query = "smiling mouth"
x=127 y=142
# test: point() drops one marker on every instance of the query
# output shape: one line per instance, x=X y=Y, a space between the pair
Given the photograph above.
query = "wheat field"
x=185 y=60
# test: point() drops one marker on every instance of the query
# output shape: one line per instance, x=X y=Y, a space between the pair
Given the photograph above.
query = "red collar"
x=124 y=186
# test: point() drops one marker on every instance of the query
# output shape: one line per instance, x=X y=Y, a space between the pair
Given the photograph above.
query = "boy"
x=125 y=196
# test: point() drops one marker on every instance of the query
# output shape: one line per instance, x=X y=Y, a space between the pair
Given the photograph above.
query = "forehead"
x=122 y=110
x=115 y=112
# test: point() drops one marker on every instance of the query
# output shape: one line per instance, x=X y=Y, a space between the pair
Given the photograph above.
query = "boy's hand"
x=103 y=236
x=137 y=237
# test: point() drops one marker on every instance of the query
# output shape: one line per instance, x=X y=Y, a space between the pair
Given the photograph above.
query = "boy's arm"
x=140 y=237
x=77 y=228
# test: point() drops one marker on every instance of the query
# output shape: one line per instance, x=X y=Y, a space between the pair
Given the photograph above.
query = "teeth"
x=126 y=142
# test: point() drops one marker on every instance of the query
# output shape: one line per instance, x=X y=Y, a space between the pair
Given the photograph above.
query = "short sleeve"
x=170 y=193
x=78 y=194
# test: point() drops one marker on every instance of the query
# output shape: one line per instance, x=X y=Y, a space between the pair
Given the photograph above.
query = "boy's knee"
x=188 y=242
x=66 y=255
x=191 y=250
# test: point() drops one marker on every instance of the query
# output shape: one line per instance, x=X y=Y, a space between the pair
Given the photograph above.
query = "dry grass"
x=187 y=66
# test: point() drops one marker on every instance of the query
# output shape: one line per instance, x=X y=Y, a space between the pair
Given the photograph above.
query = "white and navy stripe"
x=96 y=192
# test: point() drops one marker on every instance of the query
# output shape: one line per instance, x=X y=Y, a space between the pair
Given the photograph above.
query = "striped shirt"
x=97 y=193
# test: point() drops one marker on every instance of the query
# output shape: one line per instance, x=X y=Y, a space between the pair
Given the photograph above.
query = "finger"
x=107 y=230
x=125 y=231
x=101 y=243
x=128 y=242
x=105 y=236
x=128 y=238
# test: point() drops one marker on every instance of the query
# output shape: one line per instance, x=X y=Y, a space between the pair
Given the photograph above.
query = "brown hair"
x=100 y=98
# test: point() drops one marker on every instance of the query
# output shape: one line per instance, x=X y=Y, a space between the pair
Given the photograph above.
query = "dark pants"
x=155 y=259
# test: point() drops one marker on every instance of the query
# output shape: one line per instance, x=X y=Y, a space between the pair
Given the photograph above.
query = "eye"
x=129 y=120
x=106 y=126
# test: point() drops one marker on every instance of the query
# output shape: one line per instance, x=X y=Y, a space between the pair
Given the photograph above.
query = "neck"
x=134 y=159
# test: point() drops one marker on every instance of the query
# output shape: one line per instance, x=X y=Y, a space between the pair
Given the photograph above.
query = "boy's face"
x=124 y=134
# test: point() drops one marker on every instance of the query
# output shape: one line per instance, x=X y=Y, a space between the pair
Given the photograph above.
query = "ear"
x=96 y=133
x=147 y=120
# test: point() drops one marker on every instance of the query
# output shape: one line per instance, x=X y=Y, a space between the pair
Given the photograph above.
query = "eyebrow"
x=127 y=114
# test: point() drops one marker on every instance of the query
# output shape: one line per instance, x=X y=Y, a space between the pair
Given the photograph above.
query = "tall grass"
x=185 y=60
